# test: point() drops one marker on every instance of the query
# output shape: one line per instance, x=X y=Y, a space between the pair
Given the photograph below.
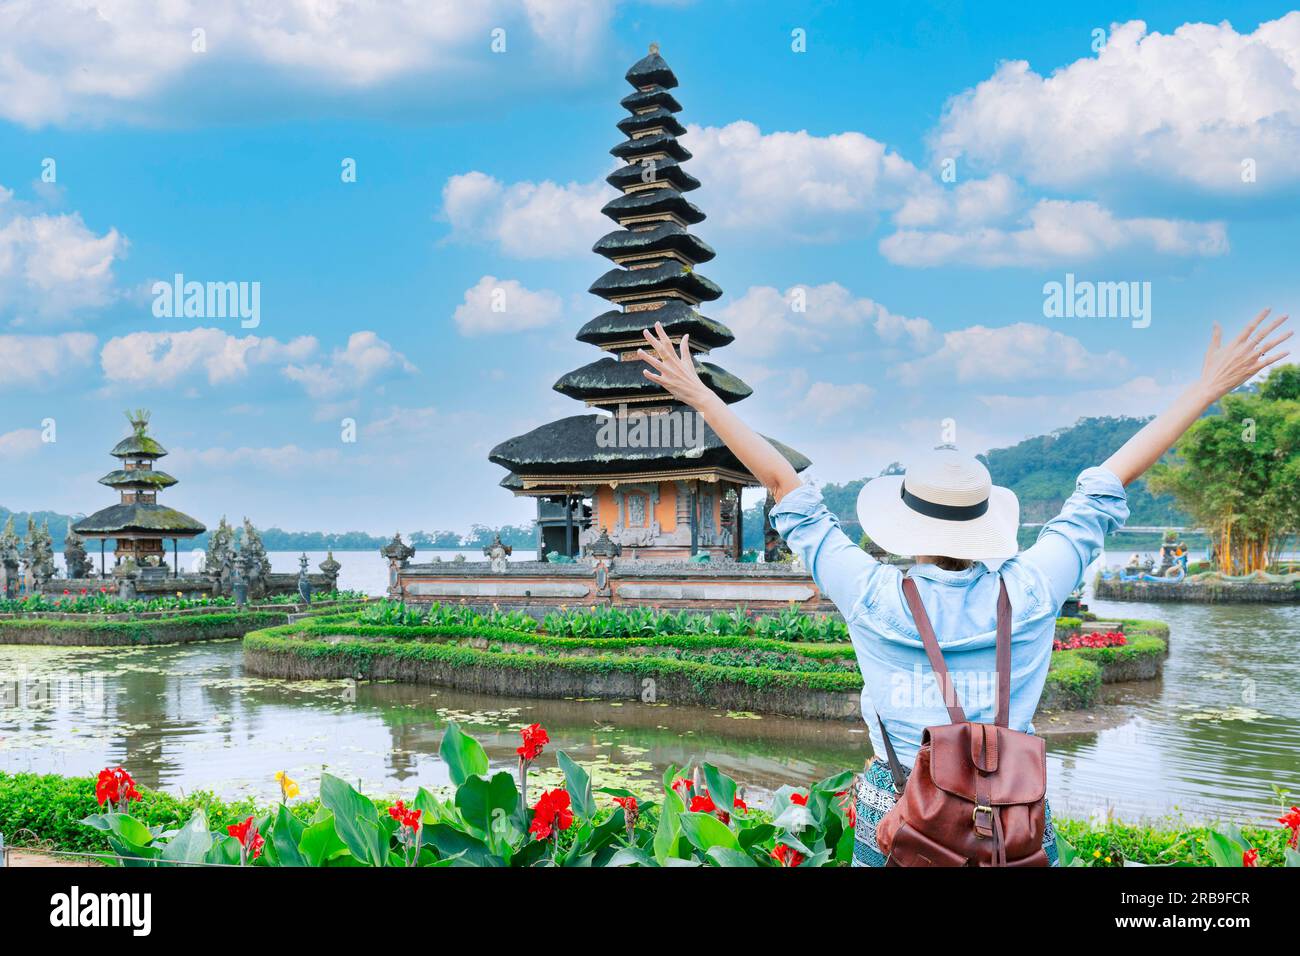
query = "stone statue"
x=74 y=556
x=221 y=546
x=398 y=553
x=304 y=582
x=260 y=565
x=239 y=580
x=9 y=559
x=498 y=555
x=38 y=556
x=330 y=568
x=604 y=546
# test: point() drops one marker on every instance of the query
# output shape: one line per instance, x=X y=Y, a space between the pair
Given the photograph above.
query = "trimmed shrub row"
x=795 y=679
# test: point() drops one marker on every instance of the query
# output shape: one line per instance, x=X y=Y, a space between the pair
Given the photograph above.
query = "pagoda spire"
x=655 y=255
x=656 y=493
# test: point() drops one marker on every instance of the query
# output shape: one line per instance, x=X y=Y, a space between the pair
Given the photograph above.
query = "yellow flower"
x=1096 y=854
x=179 y=594
x=288 y=788
x=1107 y=859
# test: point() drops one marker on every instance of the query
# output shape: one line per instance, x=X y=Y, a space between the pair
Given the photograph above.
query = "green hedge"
x=358 y=655
x=44 y=811
x=142 y=631
x=1073 y=680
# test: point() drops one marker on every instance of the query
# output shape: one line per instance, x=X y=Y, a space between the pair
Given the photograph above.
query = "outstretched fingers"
x=1267 y=347
x=1249 y=330
x=1261 y=336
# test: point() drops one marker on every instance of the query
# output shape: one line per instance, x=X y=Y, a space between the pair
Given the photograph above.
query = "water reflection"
x=1210 y=739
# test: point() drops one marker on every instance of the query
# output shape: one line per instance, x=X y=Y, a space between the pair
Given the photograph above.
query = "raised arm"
x=676 y=372
x=1225 y=368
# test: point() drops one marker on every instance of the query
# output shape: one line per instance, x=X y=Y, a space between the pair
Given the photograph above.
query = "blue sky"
x=1081 y=141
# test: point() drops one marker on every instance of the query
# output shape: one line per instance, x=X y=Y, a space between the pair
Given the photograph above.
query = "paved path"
x=31 y=858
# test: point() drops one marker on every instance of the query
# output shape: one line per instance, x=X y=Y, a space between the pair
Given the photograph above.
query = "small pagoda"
x=138 y=524
x=668 y=488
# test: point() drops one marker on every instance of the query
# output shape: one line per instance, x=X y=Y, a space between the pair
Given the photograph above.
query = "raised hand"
x=1234 y=364
x=1225 y=367
x=672 y=371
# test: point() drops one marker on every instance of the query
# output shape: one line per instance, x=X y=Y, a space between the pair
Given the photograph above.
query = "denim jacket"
x=898 y=682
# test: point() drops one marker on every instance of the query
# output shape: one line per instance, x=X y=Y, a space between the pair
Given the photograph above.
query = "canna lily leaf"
x=191 y=843
x=578 y=783
x=463 y=754
x=705 y=831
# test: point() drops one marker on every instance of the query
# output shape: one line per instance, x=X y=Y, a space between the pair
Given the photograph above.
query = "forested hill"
x=1042 y=470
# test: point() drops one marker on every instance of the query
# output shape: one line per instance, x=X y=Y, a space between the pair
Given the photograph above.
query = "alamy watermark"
x=208 y=300
x=666 y=429
x=1085 y=299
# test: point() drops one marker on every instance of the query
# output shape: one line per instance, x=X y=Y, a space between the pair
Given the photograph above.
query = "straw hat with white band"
x=945 y=505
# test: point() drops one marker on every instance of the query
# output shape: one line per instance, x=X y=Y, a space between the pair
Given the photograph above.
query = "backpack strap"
x=1002 y=661
x=932 y=651
x=896 y=771
x=1002 y=655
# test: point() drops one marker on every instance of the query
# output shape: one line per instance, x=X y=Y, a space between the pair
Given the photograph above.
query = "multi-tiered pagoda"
x=138 y=524
x=664 y=488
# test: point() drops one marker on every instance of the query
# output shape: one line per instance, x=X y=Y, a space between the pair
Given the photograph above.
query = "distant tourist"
x=961 y=529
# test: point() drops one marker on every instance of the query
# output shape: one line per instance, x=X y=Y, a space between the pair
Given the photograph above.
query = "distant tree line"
x=277 y=539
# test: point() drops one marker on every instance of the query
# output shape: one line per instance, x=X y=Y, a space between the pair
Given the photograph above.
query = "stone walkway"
x=32 y=858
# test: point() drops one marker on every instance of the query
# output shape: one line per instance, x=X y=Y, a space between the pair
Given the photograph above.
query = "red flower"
x=551 y=814
x=66 y=591
x=703 y=803
x=1292 y=820
x=683 y=788
x=407 y=817
x=787 y=855
x=631 y=811
x=849 y=807
x=115 y=787
x=535 y=738
x=1250 y=857
x=628 y=804
x=799 y=798
x=248 y=837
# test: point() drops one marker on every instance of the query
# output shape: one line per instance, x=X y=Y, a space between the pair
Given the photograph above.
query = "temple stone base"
x=537 y=587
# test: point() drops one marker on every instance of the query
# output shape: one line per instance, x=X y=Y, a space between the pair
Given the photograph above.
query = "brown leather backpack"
x=975 y=795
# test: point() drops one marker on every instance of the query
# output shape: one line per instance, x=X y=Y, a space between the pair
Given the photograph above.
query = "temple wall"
x=666 y=510
x=536 y=588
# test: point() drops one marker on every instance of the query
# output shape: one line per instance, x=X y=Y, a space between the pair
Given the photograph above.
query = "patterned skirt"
x=875 y=799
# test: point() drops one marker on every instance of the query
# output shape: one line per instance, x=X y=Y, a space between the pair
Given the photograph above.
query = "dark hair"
x=951 y=564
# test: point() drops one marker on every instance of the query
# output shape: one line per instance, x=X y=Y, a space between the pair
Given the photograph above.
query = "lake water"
x=1208 y=740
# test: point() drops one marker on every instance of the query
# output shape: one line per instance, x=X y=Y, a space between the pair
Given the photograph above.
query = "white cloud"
x=19 y=443
x=1017 y=353
x=766 y=320
x=32 y=361
x=1138 y=396
x=795 y=184
x=1190 y=105
x=495 y=305
x=826 y=400
x=1055 y=231
x=77 y=60
x=284 y=459
x=527 y=220
x=366 y=358
x=789 y=184
x=52 y=265
x=146 y=359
